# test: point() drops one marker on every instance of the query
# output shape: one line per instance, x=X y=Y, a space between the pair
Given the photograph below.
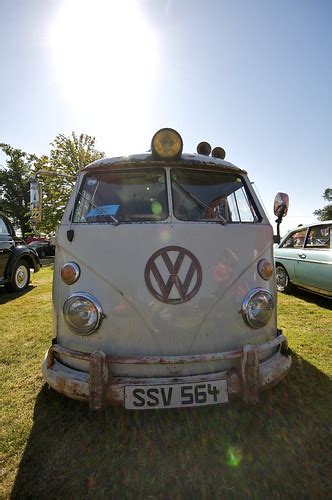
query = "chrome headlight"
x=82 y=313
x=257 y=307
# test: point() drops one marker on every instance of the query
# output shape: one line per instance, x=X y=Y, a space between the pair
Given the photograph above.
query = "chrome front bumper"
x=99 y=388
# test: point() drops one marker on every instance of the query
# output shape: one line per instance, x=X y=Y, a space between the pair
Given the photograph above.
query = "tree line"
x=325 y=213
x=68 y=155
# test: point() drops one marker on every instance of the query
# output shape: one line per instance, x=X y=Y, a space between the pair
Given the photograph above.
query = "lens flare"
x=156 y=208
x=233 y=456
x=221 y=272
x=164 y=235
x=105 y=60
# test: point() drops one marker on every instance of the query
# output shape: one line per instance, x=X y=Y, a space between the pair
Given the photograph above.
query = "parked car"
x=16 y=258
x=43 y=248
x=304 y=259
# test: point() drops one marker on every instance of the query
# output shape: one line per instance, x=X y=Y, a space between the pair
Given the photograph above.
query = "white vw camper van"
x=164 y=288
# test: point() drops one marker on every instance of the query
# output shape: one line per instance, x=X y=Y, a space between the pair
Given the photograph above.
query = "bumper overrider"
x=99 y=388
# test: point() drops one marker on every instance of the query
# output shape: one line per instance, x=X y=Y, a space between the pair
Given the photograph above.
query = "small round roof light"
x=218 y=152
x=167 y=143
x=204 y=148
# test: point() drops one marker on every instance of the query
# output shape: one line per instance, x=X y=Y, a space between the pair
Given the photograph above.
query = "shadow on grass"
x=9 y=296
x=275 y=449
x=312 y=298
x=48 y=262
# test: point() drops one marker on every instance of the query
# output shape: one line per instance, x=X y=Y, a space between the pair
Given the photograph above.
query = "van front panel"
x=127 y=268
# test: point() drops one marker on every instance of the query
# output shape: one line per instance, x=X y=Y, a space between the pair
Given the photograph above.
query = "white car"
x=304 y=259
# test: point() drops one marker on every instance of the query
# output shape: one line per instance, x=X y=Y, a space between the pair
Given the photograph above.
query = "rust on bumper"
x=99 y=388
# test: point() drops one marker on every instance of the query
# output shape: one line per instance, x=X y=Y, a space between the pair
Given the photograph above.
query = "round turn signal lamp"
x=265 y=269
x=70 y=273
x=218 y=152
x=167 y=143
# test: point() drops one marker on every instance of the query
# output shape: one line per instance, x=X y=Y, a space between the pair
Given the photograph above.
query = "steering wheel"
x=210 y=211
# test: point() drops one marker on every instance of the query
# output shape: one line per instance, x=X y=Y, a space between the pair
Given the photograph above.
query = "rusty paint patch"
x=250 y=371
x=98 y=380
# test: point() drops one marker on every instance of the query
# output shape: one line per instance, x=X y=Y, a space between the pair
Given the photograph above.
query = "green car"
x=304 y=259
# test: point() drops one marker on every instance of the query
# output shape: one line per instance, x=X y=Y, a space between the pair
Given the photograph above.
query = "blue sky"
x=254 y=77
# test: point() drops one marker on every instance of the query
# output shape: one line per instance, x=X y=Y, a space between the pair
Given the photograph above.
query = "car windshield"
x=140 y=195
x=209 y=195
x=295 y=239
x=122 y=196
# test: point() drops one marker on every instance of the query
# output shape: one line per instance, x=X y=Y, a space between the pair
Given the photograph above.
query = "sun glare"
x=105 y=58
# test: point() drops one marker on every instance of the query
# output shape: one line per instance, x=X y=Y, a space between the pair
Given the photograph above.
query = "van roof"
x=150 y=160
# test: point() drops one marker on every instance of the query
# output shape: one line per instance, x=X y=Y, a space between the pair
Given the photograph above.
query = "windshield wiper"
x=200 y=203
x=108 y=217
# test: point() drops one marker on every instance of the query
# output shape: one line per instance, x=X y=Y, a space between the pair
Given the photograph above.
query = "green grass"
x=53 y=448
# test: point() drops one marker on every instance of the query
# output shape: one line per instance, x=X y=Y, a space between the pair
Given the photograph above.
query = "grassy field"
x=52 y=447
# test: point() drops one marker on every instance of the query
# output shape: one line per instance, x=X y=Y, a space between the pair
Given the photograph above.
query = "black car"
x=16 y=258
x=43 y=248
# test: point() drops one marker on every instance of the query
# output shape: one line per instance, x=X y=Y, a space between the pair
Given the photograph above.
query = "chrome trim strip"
x=298 y=259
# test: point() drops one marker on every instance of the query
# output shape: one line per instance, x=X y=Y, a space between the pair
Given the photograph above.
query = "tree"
x=325 y=213
x=14 y=179
x=68 y=156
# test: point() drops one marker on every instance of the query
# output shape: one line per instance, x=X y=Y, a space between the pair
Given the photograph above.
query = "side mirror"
x=281 y=204
x=35 y=201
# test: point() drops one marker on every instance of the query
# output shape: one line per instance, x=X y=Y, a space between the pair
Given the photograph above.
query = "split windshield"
x=120 y=196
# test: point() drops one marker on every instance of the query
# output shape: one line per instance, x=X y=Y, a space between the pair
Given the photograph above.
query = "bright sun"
x=105 y=59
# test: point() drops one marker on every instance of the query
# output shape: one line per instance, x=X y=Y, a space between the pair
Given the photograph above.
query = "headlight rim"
x=96 y=304
x=245 y=305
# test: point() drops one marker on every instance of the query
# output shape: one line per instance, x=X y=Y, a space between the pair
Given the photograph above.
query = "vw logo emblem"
x=173 y=275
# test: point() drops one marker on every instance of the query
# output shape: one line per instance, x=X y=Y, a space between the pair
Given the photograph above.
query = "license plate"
x=142 y=397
